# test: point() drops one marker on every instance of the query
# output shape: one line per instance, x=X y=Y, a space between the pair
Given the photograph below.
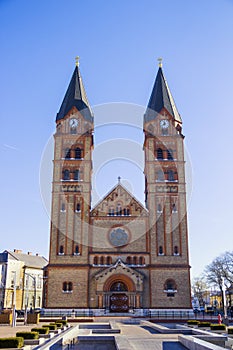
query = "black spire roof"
x=161 y=97
x=75 y=97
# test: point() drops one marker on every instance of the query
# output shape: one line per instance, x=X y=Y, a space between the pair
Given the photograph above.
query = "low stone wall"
x=192 y=343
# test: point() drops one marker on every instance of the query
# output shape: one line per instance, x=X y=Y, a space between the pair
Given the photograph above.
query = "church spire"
x=161 y=97
x=75 y=97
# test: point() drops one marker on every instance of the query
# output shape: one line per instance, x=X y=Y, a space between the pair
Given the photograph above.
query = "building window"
x=111 y=212
x=67 y=287
x=160 y=175
x=159 y=208
x=78 y=153
x=128 y=260
x=169 y=154
x=176 y=250
x=109 y=260
x=161 y=250
x=135 y=260
x=170 y=288
x=66 y=175
x=77 y=175
x=67 y=153
x=61 y=250
x=78 y=207
x=73 y=130
x=101 y=260
x=63 y=207
x=170 y=175
x=126 y=212
x=76 y=251
x=159 y=154
x=141 y=260
x=118 y=210
x=174 y=209
x=95 y=260
x=164 y=131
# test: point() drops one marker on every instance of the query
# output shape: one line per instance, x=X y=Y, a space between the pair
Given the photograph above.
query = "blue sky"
x=119 y=43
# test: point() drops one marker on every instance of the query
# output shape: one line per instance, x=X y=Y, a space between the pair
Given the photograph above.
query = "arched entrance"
x=119 y=299
x=119 y=288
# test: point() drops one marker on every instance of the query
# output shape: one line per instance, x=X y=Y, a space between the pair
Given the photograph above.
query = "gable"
x=119 y=202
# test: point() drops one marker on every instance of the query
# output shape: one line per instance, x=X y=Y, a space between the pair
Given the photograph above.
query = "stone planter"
x=46 y=336
x=33 y=341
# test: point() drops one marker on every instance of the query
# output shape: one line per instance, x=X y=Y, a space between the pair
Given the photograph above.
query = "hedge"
x=28 y=335
x=43 y=330
x=193 y=322
x=204 y=324
x=52 y=327
x=12 y=342
x=64 y=322
x=230 y=330
x=59 y=325
x=216 y=327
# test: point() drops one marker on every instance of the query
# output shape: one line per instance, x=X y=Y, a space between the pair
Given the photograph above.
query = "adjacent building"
x=21 y=277
x=120 y=254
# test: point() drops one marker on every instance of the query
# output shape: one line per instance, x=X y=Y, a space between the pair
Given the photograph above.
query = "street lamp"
x=34 y=301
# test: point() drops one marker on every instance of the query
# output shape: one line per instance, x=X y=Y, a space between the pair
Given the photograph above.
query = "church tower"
x=166 y=199
x=71 y=199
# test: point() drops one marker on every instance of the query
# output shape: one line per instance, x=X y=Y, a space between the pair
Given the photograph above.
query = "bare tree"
x=199 y=288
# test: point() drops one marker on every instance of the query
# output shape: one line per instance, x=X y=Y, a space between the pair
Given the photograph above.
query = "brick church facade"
x=120 y=254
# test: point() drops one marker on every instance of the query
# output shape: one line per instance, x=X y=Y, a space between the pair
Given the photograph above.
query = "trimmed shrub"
x=28 y=335
x=64 y=322
x=230 y=330
x=43 y=330
x=204 y=324
x=59 y=325
x=12 y=342
x=52 y=327
x=217 y=327
x=193 y=322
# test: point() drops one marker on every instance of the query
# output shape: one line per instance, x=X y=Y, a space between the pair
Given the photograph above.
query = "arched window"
x=70 y=287
x=101 y=260
x=141 y=260
x=170 y=175
x=170 y=154
x=61 y=250
x=170 y=288
x=161 y=250
x=73 y=130
x=135 y=260
x=118 y=287
x=176 y=250
x=160 y=175
x=111 y=211
x=78 y=153
x=64 y=286
x=126 y=212
x=95 y=260
x=159 y=208
x=63 y=207
x=67 y=153
x=76 y=251
x=109 y=260
x=66 y=174
x=77 y=175
x=78 y=207
x=159 y=154
x=128 y=260
x=118 y=210
x=174 y=209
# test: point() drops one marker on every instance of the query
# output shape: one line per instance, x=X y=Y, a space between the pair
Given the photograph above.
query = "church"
x=119 y=255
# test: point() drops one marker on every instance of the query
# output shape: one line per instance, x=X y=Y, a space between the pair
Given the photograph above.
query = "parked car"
x=19 y=313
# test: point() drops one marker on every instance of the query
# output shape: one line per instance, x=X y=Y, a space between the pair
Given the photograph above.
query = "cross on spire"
x=119 y=179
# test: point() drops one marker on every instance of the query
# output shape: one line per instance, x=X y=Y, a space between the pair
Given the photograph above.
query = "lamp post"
x=225 y=319
x=34 y=301
x=13 y=301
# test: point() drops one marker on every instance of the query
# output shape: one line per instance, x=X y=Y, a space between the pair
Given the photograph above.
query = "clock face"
x=118 y=237
x=164 y=123
x=73 y=123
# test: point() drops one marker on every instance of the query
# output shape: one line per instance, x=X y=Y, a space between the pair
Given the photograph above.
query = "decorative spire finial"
x=160 y=60
x=119 y=179
x=77 y=61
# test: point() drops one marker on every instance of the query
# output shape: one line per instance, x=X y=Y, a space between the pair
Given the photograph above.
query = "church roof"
x=75 y=97
x=161 y=97
x=114 y=195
